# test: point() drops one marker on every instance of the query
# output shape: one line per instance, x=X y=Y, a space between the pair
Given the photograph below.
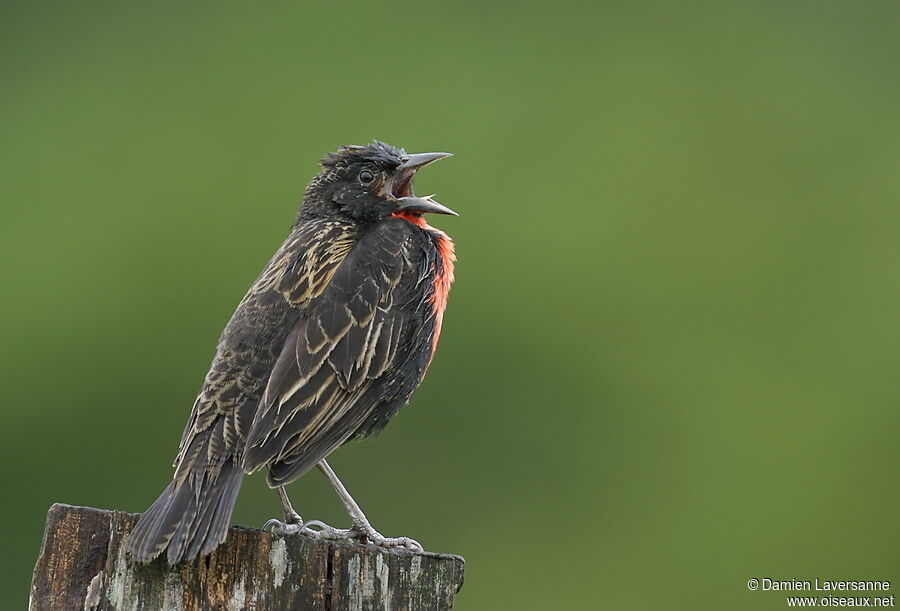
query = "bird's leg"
x=361 y=528
x=292 y=524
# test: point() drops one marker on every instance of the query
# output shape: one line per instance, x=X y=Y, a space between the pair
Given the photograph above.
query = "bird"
x=327 y=345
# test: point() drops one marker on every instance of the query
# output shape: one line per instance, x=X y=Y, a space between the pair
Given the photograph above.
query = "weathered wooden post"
x=83 y=566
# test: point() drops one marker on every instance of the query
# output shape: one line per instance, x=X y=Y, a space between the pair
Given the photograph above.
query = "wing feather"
x=226 y=405
x=346 y=338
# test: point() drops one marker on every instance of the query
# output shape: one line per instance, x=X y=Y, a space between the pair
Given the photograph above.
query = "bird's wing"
x=360 y=325
x=223 y=411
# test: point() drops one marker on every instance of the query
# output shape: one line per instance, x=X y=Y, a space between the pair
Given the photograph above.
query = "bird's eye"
x=365 y=177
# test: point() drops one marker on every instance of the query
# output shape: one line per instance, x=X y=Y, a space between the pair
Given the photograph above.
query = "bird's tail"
x=190 y=517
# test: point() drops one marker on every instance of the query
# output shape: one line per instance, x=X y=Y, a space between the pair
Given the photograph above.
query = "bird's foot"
x=292 y=525
x=363 y=532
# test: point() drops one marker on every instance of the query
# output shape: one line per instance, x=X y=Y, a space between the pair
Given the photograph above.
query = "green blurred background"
x=670 y=360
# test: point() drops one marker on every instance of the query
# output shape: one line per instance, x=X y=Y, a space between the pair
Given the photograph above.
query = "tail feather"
x=189 y=518
x=215 y=518
x=156 y=527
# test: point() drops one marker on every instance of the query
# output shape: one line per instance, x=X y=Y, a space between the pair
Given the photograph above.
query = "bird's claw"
x=292 y=525
x=324 y=531
x=362 y=532
x=277 y=527
x=406 y=543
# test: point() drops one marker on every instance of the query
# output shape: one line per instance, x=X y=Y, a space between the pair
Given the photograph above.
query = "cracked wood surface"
x=83 y=566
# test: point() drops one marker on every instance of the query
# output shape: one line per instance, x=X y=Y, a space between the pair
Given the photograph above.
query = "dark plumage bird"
x=327 y=345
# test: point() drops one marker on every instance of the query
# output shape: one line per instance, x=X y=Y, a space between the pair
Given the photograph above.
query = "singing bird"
x=328 y=343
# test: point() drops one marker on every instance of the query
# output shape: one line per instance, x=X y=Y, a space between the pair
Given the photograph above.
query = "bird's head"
x=369 y=183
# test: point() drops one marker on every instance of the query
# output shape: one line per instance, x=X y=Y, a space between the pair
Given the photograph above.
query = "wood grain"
x=83 y=566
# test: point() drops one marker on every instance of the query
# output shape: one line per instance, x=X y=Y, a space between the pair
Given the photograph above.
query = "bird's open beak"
x=420 y=160
x=410 y=203
x=423 y=204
